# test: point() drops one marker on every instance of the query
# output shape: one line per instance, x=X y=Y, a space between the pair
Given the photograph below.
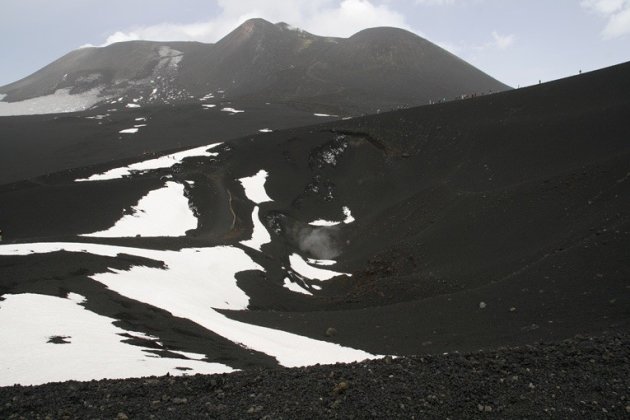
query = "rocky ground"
x=582 y=377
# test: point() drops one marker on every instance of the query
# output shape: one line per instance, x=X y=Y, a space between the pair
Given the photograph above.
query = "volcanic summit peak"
x=385 y=34
x=255 y=26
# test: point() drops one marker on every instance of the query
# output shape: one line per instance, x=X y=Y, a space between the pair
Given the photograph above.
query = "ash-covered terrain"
x=493 y=221
x=245 y=233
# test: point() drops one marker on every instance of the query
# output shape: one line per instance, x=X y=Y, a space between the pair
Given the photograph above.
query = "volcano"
x=376 y=69
x=228 y=207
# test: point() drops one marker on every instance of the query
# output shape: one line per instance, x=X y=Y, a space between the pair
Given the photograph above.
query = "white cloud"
x=605 y=7
x=498 y=42
x=502 y=41
x=617 y=13
x=435 y=2
x=323 y=17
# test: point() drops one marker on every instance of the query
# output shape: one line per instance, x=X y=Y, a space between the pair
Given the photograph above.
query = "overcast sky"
x=516 y=41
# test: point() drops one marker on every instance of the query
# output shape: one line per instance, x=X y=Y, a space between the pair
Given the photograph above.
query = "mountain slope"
x=376 y=69
x=493 y=221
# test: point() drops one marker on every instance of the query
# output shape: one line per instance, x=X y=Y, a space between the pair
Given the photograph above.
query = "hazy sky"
x=516 y=41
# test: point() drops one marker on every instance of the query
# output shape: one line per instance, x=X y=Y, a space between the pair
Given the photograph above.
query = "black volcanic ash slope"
x=379 y=68
x=35 y=145
x=496 y=220
x=479 y=223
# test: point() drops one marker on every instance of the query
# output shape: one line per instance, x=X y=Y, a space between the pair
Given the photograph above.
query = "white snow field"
x=201 y=273
x=147 y=165
x=255 y=187
x=162 y=212
x=92 y=347
x=59 y=102
x=194 y=283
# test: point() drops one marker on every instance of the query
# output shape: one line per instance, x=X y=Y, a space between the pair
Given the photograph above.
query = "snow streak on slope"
x=162 y=212
x=321 y=262
x=305 y=270
x=50 y=339
x=133 y=130
x=260 y=236
x=254 y=187
x=294 y=287
x=232 y=111
x=152 y=164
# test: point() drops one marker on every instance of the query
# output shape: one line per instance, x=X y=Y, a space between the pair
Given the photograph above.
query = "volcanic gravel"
x=582 y=377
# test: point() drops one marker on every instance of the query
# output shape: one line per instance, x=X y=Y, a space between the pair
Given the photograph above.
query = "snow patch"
x=255 y=187
x=199 y=276
x=132 y=105
x=321 y=262
x=348 y=214
x=93 y=347
x=147 y=165
x=265 y=130
x=59 y=102
x=326 y=115
x=260 y=236
x=133 y=130
x=348 y=219
x=162 y=212
x=232 y=110
x=294 y=287
x=192 y=286
x=322 y=222
x=305 y=270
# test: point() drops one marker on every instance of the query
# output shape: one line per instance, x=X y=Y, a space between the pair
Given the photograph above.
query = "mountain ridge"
x=374 y=69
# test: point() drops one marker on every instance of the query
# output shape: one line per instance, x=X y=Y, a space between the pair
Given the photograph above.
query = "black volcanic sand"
x=36 y=145
x=494 y=221
x=582 y=377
